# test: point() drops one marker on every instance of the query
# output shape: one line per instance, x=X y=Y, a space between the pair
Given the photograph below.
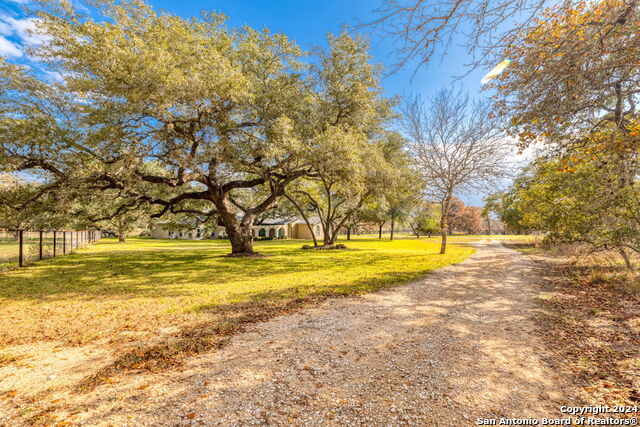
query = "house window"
x=262 y=232
x=198 y=233
x=280 y=233
x=272 y=232
x=317 y=230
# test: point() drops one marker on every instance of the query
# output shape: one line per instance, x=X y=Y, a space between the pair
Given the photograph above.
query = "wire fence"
x=19 y=248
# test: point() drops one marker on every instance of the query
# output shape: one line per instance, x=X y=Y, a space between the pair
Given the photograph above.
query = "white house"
x=162 y=231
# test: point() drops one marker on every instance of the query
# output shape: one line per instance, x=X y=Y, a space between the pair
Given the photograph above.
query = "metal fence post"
x=40 y=245
x=21 y=252
x=54 y=244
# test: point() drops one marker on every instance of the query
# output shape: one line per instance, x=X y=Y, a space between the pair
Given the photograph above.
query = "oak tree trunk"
x=329 y=236
x=239 y=232
x=122 y=234
x=393 y=221
x=241 y=239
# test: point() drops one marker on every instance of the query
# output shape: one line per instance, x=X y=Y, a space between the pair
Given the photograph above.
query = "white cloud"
x=23 y=28
x=5 y=29
x=9 y=49
x=53 y=75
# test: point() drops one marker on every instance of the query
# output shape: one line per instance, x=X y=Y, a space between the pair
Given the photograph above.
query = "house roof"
x=276 y=221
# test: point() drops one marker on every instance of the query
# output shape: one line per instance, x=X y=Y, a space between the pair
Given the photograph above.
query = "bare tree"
x=456 y=145
x=421 y=29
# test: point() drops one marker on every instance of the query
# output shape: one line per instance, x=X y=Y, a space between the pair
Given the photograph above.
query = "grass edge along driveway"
x=155 y=301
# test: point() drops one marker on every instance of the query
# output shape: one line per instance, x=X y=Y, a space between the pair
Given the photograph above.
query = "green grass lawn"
x=9 y=249
x=152 y=302
x=120 y=290
x=456 y=238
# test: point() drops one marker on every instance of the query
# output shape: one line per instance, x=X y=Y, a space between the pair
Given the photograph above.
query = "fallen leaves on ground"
x=592 y=326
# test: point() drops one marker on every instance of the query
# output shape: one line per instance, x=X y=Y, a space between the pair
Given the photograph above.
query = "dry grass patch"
x=7 y=357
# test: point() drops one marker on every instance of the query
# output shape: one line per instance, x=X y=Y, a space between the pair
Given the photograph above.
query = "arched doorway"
x=280 y=233
x=272 y=232
x=262 y=232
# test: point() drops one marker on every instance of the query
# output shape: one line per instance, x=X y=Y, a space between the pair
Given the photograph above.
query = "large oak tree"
x=203 y=113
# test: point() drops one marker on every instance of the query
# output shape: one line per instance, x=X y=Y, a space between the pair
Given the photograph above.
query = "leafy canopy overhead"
x=574 y=74
x=190 y=111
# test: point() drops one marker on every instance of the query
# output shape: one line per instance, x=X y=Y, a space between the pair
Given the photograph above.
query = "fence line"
x=19 y=248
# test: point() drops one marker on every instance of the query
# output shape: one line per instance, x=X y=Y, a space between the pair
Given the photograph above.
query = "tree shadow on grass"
x=167 y=273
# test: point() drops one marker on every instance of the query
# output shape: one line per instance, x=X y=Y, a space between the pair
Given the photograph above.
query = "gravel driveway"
x=457 y=345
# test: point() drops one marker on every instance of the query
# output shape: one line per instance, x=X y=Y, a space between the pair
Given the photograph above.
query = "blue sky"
x=305 y=21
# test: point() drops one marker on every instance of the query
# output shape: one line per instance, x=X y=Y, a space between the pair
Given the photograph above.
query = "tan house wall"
x=159 y=233
x=302 y=231
x=272 y=231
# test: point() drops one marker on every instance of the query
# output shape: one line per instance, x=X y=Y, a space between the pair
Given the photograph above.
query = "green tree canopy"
x=227 y=118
